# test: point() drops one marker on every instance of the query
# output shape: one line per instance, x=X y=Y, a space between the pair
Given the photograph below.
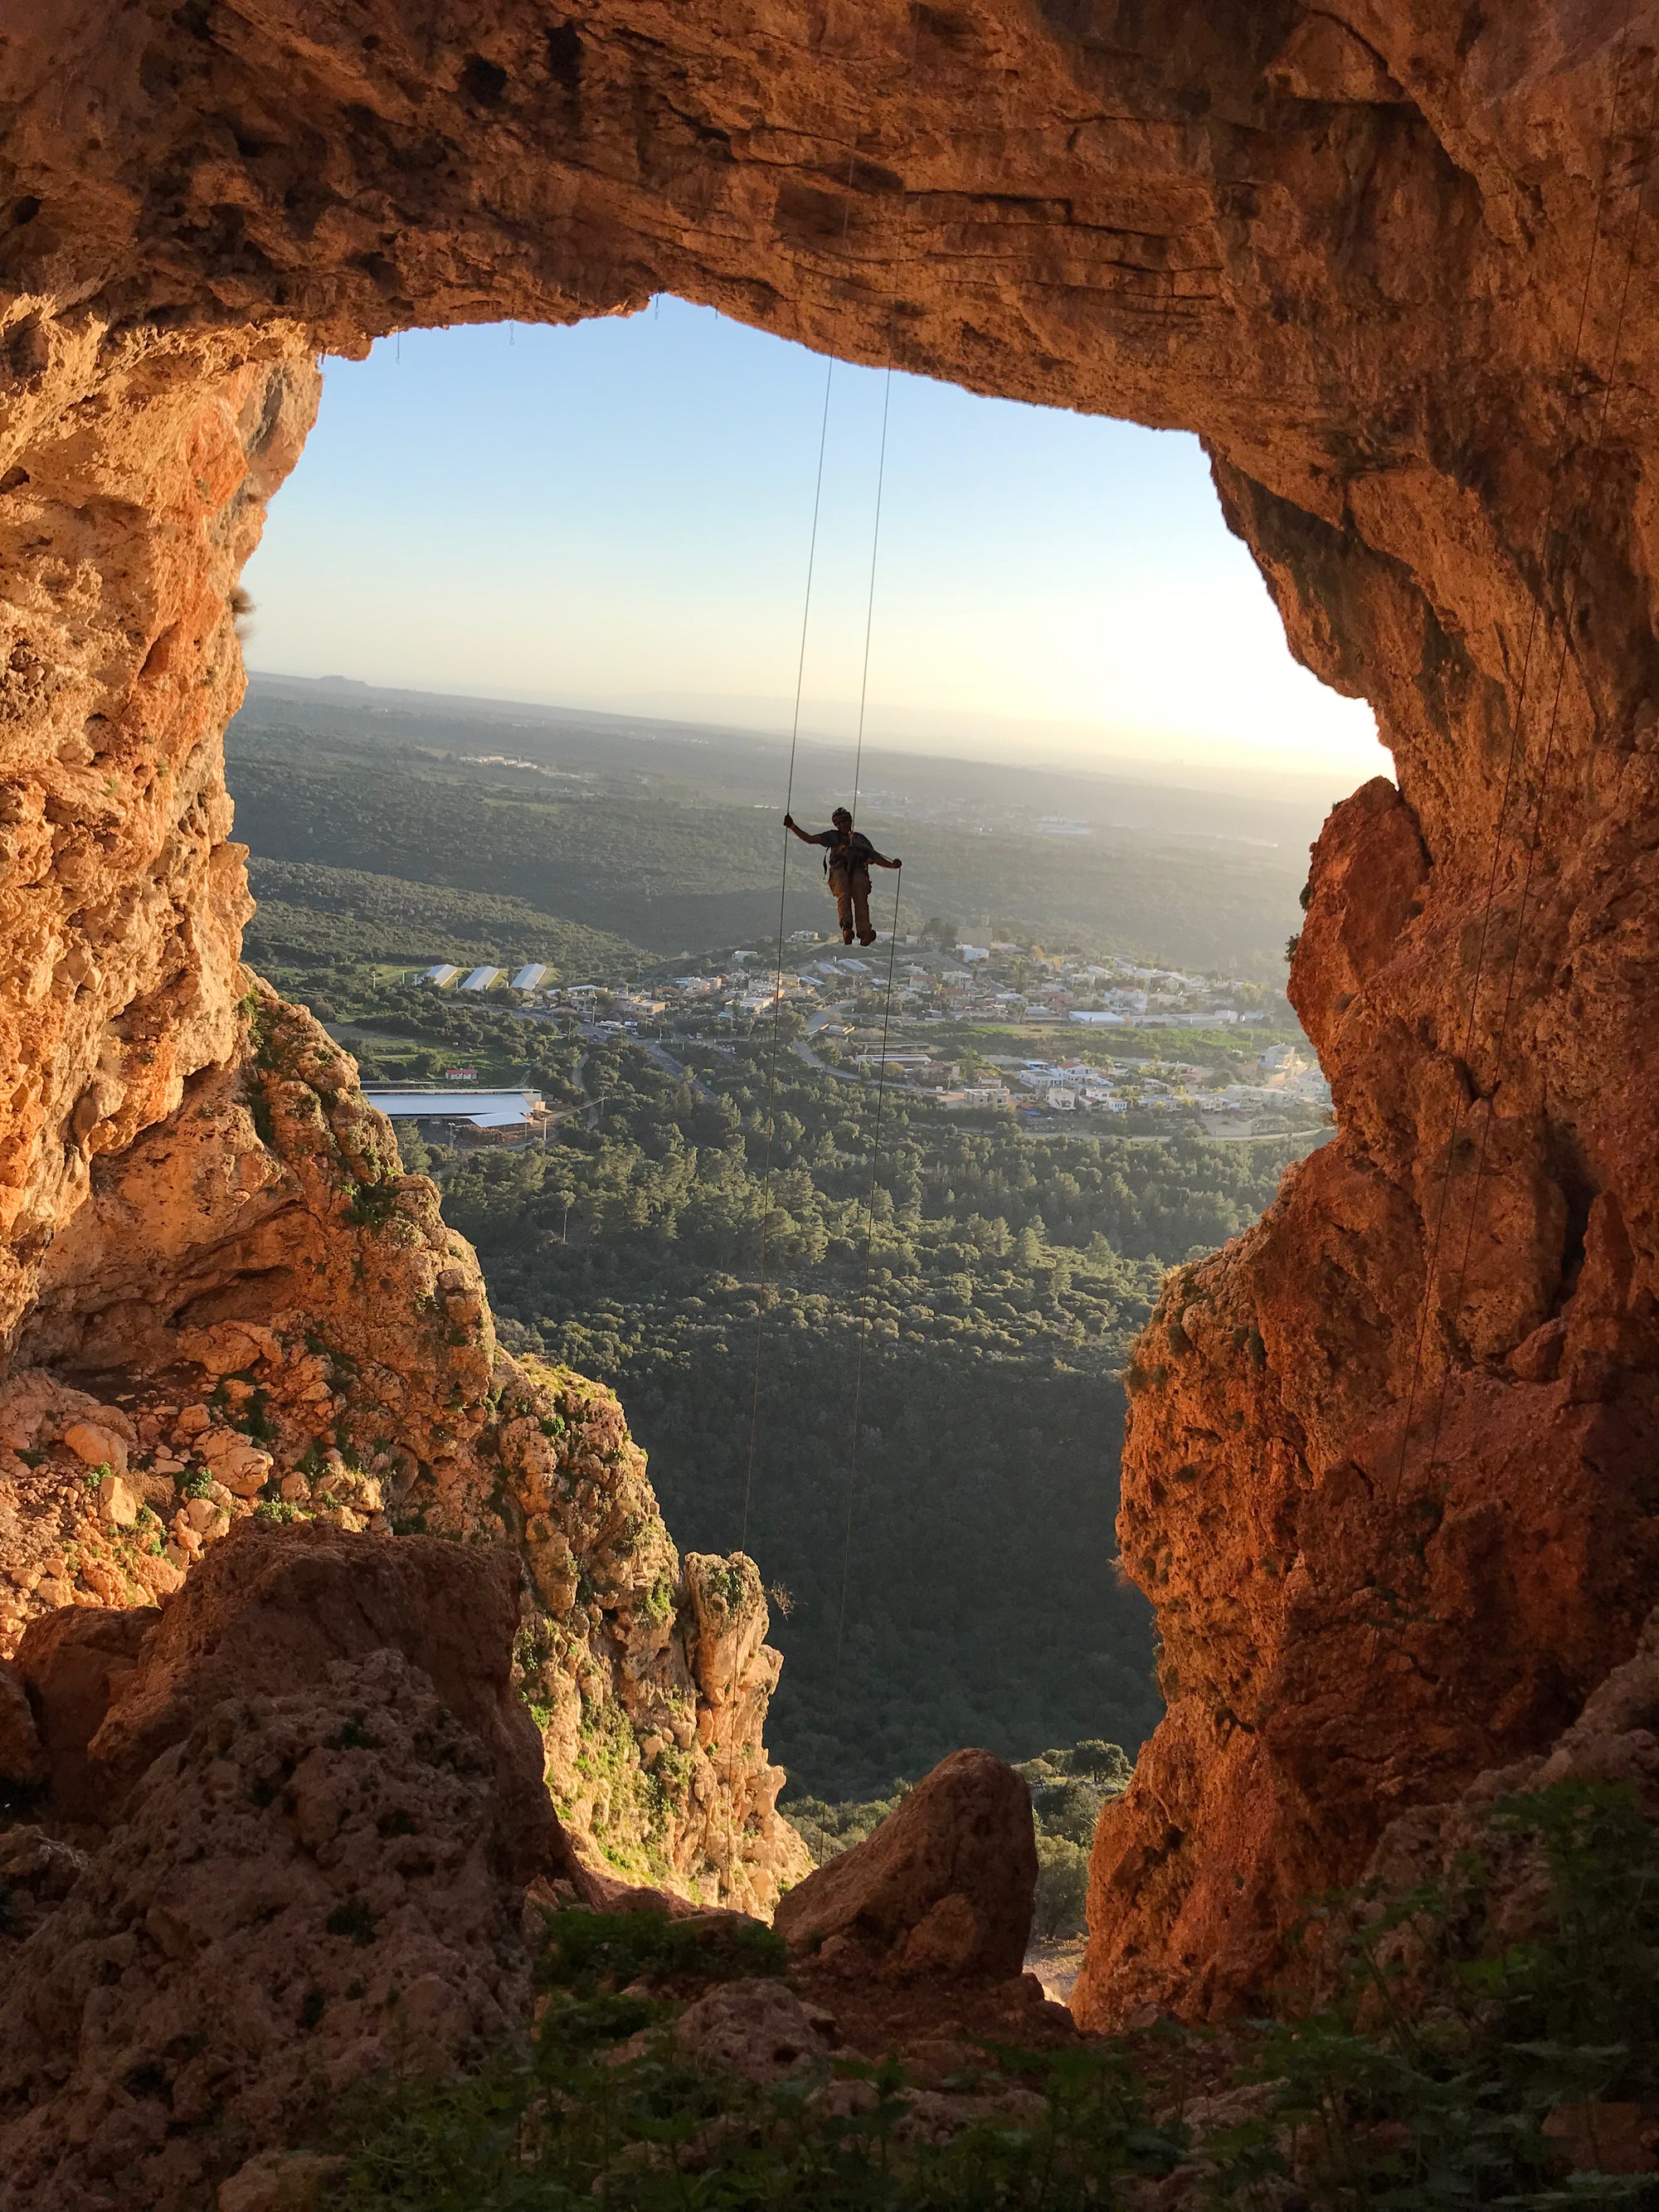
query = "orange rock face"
x=942 y=1890
x=1390 y=1476
x=286 y=1330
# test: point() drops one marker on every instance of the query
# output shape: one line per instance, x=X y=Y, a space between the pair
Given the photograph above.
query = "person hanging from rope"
x=848 y=860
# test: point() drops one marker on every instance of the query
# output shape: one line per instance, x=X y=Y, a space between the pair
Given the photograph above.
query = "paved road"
x=657 y=1053
x=802 y=1050
x=665 y=1060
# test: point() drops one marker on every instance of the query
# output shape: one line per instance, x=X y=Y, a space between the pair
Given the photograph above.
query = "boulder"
x=295 y=1897
x=758 y=2030
x=271 y=1608
x=238 y=1464
x=943 y=1887
x=95 y=1445
x=117 y=1502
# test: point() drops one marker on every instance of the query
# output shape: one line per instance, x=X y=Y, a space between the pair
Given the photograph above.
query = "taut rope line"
x=777 y=1001
x=892 y=948
x=863 y=1294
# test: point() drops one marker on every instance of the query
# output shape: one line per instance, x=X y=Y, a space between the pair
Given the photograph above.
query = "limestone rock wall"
x=1388 y=1476
x=257 y=1314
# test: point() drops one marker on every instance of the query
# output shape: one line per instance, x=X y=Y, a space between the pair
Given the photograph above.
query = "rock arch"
x=1393 y=261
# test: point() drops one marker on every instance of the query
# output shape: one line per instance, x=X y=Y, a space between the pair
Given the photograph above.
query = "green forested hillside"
x=671 y=860
x=951 y=1578
x=957 y=1583
x=309 y=914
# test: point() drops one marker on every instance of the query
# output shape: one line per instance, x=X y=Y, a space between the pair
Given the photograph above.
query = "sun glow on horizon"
x=617 y=516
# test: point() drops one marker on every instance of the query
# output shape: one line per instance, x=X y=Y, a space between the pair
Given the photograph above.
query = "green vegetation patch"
x=311 y=914
x=1007 y=1281
x=1460 y=2065
x=612 y=1950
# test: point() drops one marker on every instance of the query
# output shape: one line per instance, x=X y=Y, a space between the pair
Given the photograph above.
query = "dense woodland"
x=343 y=916
x=919 y=1443
x=952 y=1580
x=672 y=860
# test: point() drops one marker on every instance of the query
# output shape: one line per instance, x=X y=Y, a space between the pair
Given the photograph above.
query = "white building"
x=483 y=979
x=442 y=976
x=496 y=1115
x=976 y=1094
x=531 y=976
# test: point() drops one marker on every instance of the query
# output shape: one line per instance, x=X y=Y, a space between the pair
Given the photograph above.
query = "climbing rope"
x=864 y=1293
x=777 y=998
x=892 y=956
x=870 y=596
x=1517 y=750
x=783 y=882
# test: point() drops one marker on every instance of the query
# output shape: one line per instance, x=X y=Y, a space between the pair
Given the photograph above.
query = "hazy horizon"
x=1268 y=782
x=615 y=517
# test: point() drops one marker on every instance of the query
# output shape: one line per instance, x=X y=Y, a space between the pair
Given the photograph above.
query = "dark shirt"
x=849 y=855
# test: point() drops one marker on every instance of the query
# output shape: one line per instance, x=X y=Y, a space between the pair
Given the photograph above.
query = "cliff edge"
x=328 y=1356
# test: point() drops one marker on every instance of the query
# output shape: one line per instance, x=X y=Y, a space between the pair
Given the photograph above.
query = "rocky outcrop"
x=315 y=1869
x=328 y=1358
x=1492 y=1873
x=943 y=1887
x=71 y=1667
x=1389 y=1474
x=322 y=1855
x=273 y=1606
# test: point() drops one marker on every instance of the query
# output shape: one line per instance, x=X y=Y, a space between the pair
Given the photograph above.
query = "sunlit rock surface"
x=1389 y=1479
x=338 y=1365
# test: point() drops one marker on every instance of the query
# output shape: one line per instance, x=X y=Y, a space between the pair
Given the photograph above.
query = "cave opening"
x=595 y=539
x=1398 y=278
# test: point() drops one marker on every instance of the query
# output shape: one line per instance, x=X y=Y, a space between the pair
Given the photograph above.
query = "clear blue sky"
x=618 y=515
